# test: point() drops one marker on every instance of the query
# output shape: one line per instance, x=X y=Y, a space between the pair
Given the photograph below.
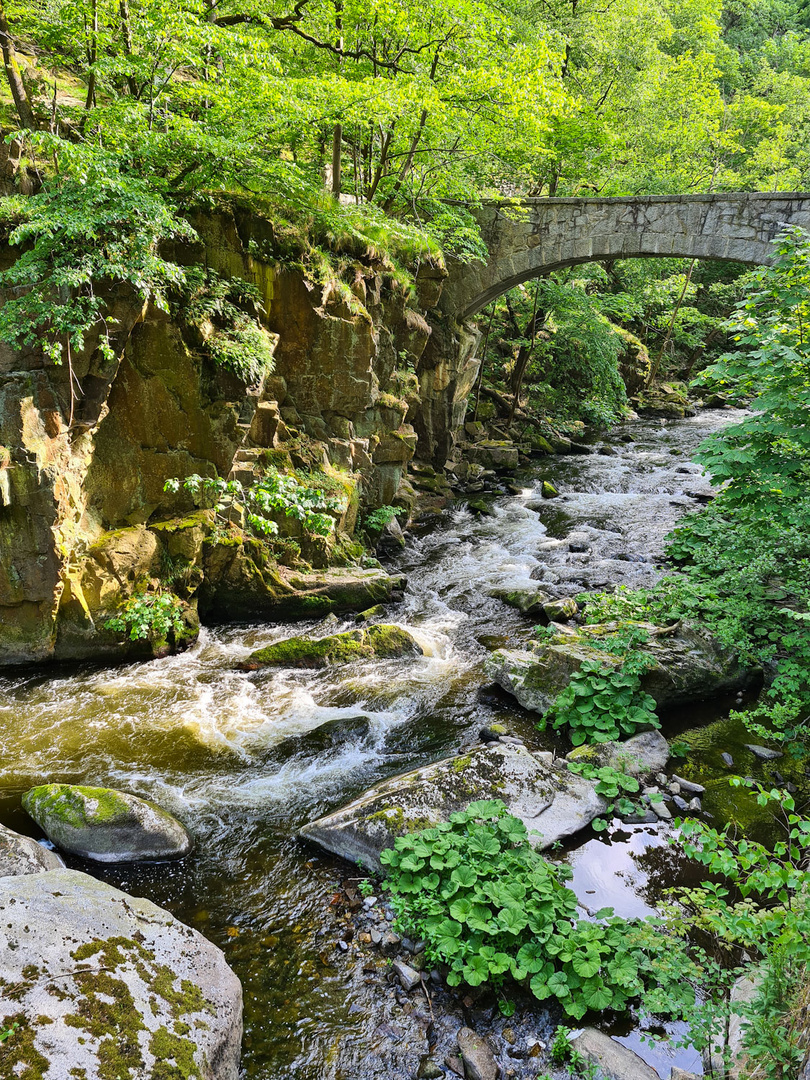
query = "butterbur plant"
x=602 y=704
x=491 y=908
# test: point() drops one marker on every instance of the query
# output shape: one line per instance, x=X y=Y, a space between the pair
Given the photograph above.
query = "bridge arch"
x=534 y=236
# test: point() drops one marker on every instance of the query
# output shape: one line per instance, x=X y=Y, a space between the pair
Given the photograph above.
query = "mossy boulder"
x=107 y=986
x=688 y=666
x=528 y=601
x=381 y=642
x=105 y=824
x=492 y=454
x=552 y=801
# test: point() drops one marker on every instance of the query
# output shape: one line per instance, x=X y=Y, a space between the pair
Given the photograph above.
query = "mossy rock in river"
x=383 y=642
x=104 y=824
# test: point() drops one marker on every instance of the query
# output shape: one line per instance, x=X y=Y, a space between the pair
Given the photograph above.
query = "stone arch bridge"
x=531 y=237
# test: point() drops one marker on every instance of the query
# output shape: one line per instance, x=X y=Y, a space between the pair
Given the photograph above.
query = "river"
x=245 y=758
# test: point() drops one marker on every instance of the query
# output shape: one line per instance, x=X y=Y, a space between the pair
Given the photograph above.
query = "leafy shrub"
x=601 y=704
x=228 y=309
x=611 y=784
x=151 y=616
x=376 y=520
x=275 y=492
x=490 y=907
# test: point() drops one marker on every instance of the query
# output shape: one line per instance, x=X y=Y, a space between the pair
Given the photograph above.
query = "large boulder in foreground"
x=21 y=855
x=108 y=985
x=551 y=801
x=381 y=642
x=104 y=824
x=688 y=666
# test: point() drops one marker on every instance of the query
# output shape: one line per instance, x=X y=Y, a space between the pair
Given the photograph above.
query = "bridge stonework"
x=536 y=236
x=531 y=237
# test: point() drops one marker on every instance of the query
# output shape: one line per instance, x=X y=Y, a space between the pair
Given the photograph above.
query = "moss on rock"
x=381 y=642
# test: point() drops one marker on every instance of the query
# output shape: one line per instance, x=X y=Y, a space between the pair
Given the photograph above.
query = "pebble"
x=364 y=938
x=682 y=804
x=391 y=941
x=727 y=758
x=375 y=937
x=512 y=739
x=661 y=779
x=343 y=946
x=369 y=902
x=408 y=945
x=675 y=787
x=578 y=548
x=408 y=976
x=689 y=786
x=695 y=805
x=651 y=791
x=662 y=811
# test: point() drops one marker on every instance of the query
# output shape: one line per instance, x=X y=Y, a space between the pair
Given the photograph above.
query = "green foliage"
x=226 y=313
x=602 y=703
x=365 y=887
x=7 y=1032
x=613 y=785
x=274 y=493
x=490 y=908
x=86 y=231
x=149 y=616
x=376 y=520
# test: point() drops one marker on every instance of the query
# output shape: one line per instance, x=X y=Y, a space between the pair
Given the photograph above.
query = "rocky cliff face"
x=82 y=475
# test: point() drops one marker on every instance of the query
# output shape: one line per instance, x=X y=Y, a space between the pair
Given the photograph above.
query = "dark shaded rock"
x=408 y=976
x=104 y=824
x=22 y=855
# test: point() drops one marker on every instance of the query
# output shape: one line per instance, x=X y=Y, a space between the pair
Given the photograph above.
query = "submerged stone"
x=21 y=855
x=105 y=824
x=381 y=642
x=109 y=985
x=552 y=802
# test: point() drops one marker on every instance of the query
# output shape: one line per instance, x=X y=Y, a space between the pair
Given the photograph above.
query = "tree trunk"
x=18 y=91
x=337 y=178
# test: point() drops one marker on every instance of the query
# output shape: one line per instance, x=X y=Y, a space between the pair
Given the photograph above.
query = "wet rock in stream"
x=688 y=666
x=552 y=802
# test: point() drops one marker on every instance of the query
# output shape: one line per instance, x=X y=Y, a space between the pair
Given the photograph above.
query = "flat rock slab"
x=105 y=824
x=21 y=855
x=110 y=985
x=552 y=802
x=612 y=1060
x=642 y=755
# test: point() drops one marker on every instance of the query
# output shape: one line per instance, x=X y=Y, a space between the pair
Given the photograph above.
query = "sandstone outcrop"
x=86 y=523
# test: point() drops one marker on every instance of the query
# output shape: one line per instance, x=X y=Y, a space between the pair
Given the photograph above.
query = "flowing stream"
x=245 y=758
